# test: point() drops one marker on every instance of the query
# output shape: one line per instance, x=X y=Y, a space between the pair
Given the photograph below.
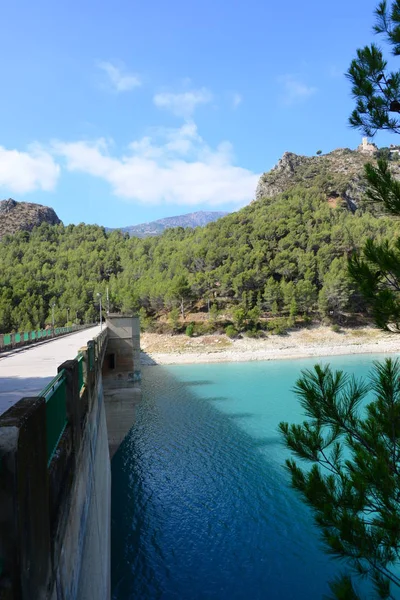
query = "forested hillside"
x=285 y=255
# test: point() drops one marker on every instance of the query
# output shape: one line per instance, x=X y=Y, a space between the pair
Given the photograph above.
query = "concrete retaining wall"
x=82 y=545
x=55 y=506
x=55 y=518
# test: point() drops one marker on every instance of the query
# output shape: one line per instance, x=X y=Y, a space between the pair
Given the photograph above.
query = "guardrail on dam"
x=55 y=474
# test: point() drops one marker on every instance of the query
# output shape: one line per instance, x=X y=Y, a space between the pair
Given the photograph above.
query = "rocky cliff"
x=339 y=175
x=16 y=216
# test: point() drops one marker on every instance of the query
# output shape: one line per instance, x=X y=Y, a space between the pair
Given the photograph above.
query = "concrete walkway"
x=26 y=372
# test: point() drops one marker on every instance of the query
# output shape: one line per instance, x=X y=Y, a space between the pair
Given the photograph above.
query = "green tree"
x=181 y=290
x=377 y=93
x=336 y=289
x=272 y=295
x=306 y=294
x=377 y=90
x=293 y=308
x=174 y=319
x=353 y=485
x=213 y=314
x=239 y=316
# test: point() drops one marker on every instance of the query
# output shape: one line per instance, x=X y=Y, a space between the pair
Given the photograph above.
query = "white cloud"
x=237 y=99
x=23 y=172
x=182 y=104
x=295 y=90
x=120 y=80
x=175 y=166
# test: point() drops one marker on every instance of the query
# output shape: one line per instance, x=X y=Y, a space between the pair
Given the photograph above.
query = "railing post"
x=84 y=393
x=91 y=375
x=24 y=499
x=73 y=405
x=85 y=365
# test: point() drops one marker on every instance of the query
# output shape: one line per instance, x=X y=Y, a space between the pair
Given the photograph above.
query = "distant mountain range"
x=16 y=216
x=196 y=219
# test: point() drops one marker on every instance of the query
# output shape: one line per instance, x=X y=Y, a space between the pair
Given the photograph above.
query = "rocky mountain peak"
x=338 y=174
x=7 y=205
x=16 y=216
x=288 y=162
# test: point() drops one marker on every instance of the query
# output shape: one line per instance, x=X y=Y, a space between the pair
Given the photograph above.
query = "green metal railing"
x=91 y=357
x=55 y=395
x=13 y=340
x=81 y=382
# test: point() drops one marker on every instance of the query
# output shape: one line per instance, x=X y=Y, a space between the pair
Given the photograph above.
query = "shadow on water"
x=199 y=382
x=199 y=510
x=218 y=398
x=239 y=415
x=270 y=441
x=147 y=360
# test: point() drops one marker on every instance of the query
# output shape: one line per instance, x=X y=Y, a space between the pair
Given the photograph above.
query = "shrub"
x=203 y=328
x=278 y=326
x=239 y=316
x=190 y=330
x=254 y=333
x=231 y=332
x=214 y=313
x=307 y=320
x=336 y=328
x=160 y=327
x=146 y=322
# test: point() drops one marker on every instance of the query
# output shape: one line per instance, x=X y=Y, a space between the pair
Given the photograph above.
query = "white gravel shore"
x=316 y=341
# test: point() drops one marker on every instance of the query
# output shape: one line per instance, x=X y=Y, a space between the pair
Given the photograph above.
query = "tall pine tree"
x=353 y=485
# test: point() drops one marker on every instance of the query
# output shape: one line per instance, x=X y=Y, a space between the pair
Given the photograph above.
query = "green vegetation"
x=276 y=257
x=190 y=330
x=376 y=90
x=353 y=485
x=231 y=332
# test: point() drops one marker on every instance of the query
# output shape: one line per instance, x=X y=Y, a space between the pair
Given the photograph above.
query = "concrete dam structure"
x=55 y=472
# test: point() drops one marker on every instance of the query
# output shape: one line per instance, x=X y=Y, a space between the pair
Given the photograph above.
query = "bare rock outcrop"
x=338 y=174
x=24 y=216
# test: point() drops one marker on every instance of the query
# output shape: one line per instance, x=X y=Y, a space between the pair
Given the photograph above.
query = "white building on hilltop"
x=367 y=147
x=394 y=150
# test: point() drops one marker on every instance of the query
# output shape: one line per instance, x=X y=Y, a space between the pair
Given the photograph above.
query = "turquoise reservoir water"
x=201 y=506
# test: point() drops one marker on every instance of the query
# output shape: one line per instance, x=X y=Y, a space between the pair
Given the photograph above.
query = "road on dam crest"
x=26 y=372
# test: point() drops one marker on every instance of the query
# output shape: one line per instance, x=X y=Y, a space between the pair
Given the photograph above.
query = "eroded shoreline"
x=313 y=342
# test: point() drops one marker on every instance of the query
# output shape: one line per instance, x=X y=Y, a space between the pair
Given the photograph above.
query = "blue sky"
x=122 y=112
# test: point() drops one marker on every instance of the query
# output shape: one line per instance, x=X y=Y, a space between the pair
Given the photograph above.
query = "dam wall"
x=55 y=477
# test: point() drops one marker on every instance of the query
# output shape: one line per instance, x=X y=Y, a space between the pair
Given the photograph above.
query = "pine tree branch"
x=385 y=572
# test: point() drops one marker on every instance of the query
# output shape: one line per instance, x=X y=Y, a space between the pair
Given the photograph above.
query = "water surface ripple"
x=201 y=506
